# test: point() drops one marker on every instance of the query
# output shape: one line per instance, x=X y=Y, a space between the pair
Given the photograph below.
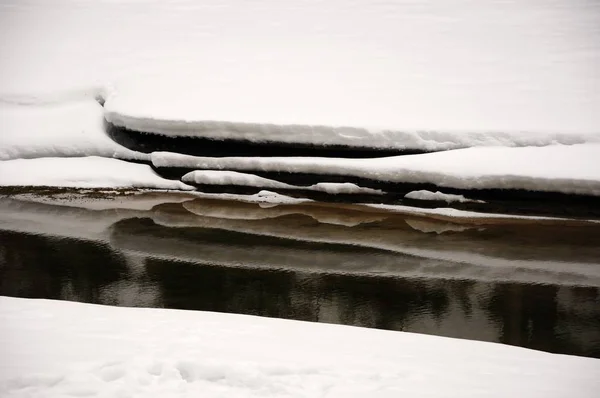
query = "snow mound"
x=439 y=196
x=193 y=353
x=219 y=177
x=88 y=172
x=574 y=169
x=71 y=128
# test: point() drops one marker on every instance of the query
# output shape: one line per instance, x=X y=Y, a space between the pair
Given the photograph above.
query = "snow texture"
x=395 y=74
x=88 y=172
x=457 y=65
x=112 y=351
x=439 y=196
x=218 y=177
x=574 y=169
x=66 y=129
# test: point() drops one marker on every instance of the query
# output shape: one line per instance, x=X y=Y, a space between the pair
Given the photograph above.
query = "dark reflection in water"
x=550 y=317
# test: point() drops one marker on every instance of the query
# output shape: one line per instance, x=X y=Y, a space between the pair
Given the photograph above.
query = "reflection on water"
x=529 y=285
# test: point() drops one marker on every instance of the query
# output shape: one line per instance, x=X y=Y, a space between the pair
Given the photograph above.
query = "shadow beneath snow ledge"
x=147 y=142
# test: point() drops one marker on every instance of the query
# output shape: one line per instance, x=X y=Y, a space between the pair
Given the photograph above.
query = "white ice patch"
x=214 y=177
x=439 y=196
x=88 y=172
x=335 y=188
x=219 y=177
x=194 y=353
x=573 y=169
x=70 y=128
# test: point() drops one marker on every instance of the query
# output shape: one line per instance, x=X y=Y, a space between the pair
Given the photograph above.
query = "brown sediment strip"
x=467 y=218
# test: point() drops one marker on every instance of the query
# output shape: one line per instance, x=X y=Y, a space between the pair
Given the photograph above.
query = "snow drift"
x=152 y=352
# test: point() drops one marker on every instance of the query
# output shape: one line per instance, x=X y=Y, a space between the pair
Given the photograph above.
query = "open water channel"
x=534 y=284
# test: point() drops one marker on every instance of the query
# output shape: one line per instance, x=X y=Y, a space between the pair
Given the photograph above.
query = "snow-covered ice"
x=110 y=351
x=439 y=196
x=220 y=177
x=87 y=172
x=572 y=169
x=508 y=67
x=397 y=74
x=380 y=138
x=62 y=129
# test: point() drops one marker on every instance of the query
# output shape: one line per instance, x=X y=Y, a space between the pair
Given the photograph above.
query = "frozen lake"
x=531 y=285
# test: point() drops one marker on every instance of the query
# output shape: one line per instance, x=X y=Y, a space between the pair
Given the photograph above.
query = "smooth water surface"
x=531 y=285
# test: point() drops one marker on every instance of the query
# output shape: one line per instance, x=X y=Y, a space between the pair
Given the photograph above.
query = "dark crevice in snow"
x=202 y=146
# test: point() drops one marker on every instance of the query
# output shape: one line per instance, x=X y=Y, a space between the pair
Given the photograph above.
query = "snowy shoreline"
x=155 y=352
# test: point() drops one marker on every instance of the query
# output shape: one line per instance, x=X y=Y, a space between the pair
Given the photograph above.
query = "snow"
x=113 y=351
x=63 y=129
x=335 y=188
x=439 y=196
x=395 y=74
x=219 y=177
x=460 y=65
x=88 y=172
x=574 y=169
x=387 y=138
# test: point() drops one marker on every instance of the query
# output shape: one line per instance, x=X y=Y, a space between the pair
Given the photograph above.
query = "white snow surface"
x=515 y=68
x=571 y=169
x=88 y=172
x=220 y=177
x=423 y=194
x=62 y=129
x=136 y=352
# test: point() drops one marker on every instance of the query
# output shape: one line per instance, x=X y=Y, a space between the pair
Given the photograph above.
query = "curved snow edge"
x=86 y=172
x=338 y=135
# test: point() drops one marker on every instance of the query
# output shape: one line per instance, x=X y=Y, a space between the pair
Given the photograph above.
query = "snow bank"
x=439 y=196
x=456 y=65
x=214 y=177
x=113 y=351
x=322 y=135
x=70 y=128
x=89 y=172
x=218 y=177
x=574 y=169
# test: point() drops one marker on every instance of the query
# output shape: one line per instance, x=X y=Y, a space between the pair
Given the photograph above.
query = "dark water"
x=531 y=286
